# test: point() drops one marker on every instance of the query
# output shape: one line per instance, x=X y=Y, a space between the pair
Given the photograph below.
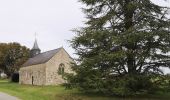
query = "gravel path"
x=4 y=96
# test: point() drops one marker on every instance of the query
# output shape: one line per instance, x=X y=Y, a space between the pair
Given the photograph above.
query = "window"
x=61 y=69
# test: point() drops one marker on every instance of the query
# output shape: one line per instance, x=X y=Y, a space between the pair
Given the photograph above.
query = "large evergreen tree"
x=123 y=40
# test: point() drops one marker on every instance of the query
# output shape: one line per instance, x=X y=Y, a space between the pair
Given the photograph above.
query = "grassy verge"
x=26 y=92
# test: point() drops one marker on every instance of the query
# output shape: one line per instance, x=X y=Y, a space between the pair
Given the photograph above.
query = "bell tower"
x=35 y=50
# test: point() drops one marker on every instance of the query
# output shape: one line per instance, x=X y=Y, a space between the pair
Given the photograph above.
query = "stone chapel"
x=45 y=68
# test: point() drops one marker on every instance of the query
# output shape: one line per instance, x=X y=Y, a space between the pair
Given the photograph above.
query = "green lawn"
x=26 y=92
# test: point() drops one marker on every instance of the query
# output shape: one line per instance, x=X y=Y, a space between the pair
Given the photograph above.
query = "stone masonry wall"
x=53 y=78
x=35 y=74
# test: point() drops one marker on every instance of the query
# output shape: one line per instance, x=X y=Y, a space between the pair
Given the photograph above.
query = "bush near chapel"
x=15 y=77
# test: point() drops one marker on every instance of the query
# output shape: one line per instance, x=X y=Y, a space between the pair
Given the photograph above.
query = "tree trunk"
x=128 y=24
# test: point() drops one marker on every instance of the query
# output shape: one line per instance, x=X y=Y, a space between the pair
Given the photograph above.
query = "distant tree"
x=12 y=56
x=123 y=44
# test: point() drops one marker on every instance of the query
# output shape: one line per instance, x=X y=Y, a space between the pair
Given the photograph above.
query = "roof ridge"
x=49 y=50
x=42 y=57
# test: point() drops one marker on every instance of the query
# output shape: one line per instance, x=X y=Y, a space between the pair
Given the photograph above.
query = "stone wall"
x=53 y=78
x=35 y=75
x=46 y=74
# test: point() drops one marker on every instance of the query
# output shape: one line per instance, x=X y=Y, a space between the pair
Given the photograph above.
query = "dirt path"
x=4 y=96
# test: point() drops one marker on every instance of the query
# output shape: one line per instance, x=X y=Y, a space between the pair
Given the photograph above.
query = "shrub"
x=130 y=85
x=15 y=77
x=115 y=85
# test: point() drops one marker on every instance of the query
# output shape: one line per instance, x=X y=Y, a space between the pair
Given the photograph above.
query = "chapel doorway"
x=32 y=80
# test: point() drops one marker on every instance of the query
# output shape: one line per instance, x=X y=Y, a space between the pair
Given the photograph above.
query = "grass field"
x=26 y=92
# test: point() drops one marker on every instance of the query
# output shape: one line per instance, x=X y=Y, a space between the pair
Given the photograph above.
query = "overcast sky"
x=51 y=19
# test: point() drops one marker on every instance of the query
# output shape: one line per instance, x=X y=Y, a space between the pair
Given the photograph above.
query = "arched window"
x=61 y=69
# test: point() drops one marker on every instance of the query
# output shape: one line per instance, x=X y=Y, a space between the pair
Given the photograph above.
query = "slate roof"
x=41 y=58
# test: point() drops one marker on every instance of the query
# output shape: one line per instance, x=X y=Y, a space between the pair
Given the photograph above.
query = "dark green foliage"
x=124 y=44
x=12 y=56
x=163 y=82
x=15 y=77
